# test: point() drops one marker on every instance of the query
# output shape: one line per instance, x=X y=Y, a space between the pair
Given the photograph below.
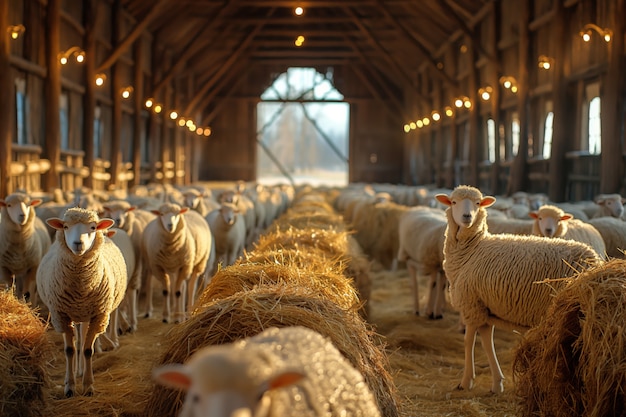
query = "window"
x=595 y=129
x=515 y=133
x=20 y=102
x=65 y=125
x=491 y=140
x=547 y=135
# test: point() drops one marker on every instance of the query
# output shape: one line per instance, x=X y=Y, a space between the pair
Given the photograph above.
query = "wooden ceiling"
x=392 y=38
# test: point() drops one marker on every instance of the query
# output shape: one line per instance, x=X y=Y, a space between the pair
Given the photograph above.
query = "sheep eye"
x=195 y=399
x=65 y=227
x=93 y=227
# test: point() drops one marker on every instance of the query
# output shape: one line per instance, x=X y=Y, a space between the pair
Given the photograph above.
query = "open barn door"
x=303 y=131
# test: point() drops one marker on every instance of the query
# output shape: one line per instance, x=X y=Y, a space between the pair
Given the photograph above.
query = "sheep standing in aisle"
x=246 y=208
x=551 y=221
x=202 y=202
x=133 y=221
x=286 y=372
x=421 y=232
x=609 y=205
x=613 y=232
x=229 y=233
x=82 y=279
x=495 y=280
x=24 y=240
x=176 y=246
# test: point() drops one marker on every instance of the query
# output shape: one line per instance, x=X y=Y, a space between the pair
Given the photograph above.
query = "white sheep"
x=609 y=205
x=176 y=246
x=24 y=240
x=613 y=233
x=133 y=221
x=82 y=279
x=201 y=201
x=421 y=235
x=495 y=280
x=229 y=233
x=286 y=372
x=551 y=221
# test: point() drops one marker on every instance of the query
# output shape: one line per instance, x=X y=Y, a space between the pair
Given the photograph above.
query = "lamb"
x=609 y=205
x=421 y=236
x=229 y=233
x=287 y=372
x=551 y=221
x=495 y=280
x=24 y=242
x=246 y=207
x=176 y=245
x=81 y=279
x=613 y=233
x=202 y=202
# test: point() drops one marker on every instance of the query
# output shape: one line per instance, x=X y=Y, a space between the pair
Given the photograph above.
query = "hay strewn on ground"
x=24 y=355
x=574 y=362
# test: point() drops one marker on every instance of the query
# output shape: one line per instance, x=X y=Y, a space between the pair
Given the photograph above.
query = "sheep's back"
x=421 y=234
x=502 y=273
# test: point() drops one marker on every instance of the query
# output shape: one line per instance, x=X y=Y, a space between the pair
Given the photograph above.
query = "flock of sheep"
x=90 y=258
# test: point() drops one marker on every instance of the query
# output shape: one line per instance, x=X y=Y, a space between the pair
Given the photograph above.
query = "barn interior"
x=113 y=96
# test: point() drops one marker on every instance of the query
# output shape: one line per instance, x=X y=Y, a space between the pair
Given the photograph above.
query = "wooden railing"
x=27 y=167
x=71 y=169
x=583 y=178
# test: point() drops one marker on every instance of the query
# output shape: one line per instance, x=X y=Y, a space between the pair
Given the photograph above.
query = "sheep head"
x=79 y=228
x=464 y=203
x=223 y=381
x=19 y=207
x=119 y=211
x=170 y=215
x=550 y=221
x=614 y=203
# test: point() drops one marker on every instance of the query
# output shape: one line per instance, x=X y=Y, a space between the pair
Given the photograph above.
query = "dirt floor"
x=426 y=358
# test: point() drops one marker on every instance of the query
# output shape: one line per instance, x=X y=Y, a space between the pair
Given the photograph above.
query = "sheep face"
x=229 y=213
x=79 y=237
x=548 y=220
x=614 y=204
x=169 y=219
x=465 y=205
x=192 y=200
x=219 y=383
x=19 y=207
x=119 y=215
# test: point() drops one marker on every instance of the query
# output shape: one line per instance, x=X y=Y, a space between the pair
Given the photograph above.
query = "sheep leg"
x=70 y=350
x=432 y=297
x=94 y=328
x=30 y=286
x=439 y=289
x=469 y=374
x=179 y=300
x=486 y=338
x=148 y=287
x=167 y=295
x=192 y=287
x=412 y=267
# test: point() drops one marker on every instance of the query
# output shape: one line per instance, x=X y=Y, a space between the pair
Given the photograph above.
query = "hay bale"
x=245 y=276
x=330 y=242
x=248 y=313
x=308 y=219
x=25 y=352
x=574 y=361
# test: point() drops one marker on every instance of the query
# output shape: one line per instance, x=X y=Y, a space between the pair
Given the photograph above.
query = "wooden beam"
x=138 y=125
x=191 y=47
x=132 y=36
x=461 y=22
x=90 y=11
x=229 y=62
x=52 y=93
x=6 y=101
x=116 y=86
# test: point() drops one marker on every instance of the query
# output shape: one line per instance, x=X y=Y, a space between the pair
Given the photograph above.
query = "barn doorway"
x=303 y=130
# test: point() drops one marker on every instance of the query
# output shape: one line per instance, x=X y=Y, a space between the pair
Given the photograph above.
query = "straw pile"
x=246 y=314
x=574 y=362
x=24 y=355
x=246 y=276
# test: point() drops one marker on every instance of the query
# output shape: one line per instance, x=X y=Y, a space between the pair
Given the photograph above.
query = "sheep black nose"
x=549 y=231
x=467 y=216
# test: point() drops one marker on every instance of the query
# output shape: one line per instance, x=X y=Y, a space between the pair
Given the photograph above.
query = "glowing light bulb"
x=173 y=114
x=299 y=11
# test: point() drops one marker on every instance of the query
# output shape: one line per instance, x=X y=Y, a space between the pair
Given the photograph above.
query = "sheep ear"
x=105 y=224
x=2 y=203
x=36 y=202
x=533 y=215
x=566 y=216
x=183 y=210
x=283 y=379
x=487 y=201
x=444 y=199
x=110 y=233
x=155 y=212
x=132 y=208
x=173 y=376
x=55 y=223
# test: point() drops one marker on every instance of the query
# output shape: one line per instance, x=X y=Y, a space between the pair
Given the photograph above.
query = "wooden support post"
x=53 y=93
x=496 y=98
x=138 y=127
x=612 y=157
x=518 y=175
x=475 y=141
x=6 y=101
x=89 y=98
x=116 y=86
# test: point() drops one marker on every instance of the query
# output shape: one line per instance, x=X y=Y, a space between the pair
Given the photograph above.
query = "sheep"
x=229 y=233
x=133 y=221
x=613 y=233
x=176 y=246
x=81 y=279
x=551 y=221
x=494 y=280
x=24 y=241
x=288 y=372
x=202 y=202
x=421 y=236
x=514 y=226
x=246 y=208
x=609 y=205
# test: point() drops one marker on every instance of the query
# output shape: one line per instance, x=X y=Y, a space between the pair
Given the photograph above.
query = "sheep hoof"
x=147 y=316
x=69 y=393
x=165 y=321
x=432 y=316
x=417 y=313
x=460 y=388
